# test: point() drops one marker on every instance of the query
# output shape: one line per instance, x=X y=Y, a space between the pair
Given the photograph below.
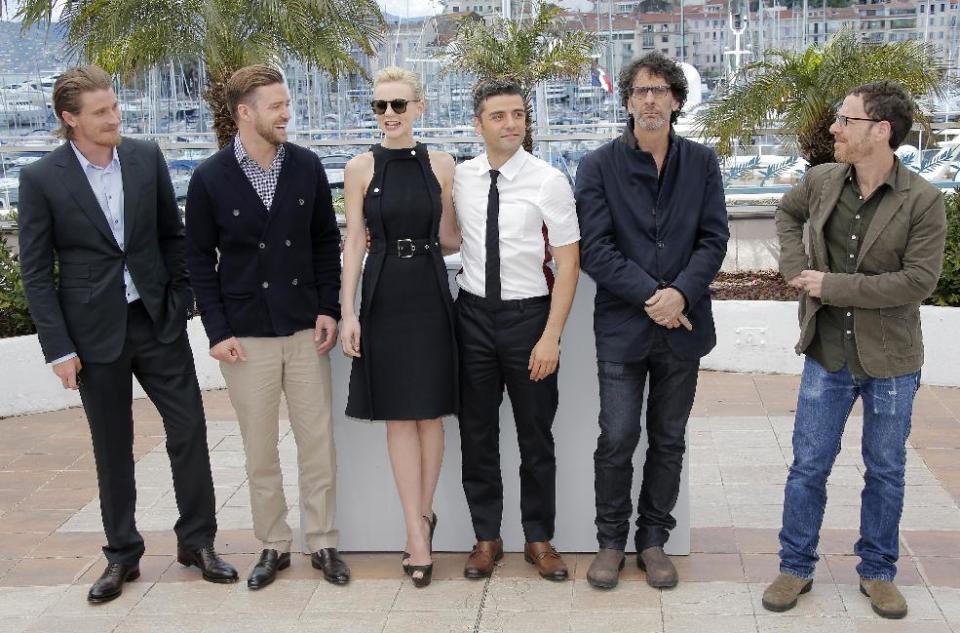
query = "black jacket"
x=277 y=269
x=84 y=309
x=640 y=233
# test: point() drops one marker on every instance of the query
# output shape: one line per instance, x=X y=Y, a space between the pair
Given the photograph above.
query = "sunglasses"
x=399 y=106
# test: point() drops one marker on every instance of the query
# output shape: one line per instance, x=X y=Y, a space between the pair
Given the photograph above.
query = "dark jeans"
x=495 y=348
x=167 y=374
x=823 y=407
x=673 y=385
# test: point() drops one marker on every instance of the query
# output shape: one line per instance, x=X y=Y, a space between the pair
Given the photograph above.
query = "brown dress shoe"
x=546 y=559
x=482 y=559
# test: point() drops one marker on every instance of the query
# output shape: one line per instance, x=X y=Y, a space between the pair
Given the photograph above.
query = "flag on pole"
x=598 y=78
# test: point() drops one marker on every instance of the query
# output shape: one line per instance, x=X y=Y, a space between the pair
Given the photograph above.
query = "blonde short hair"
x=395 y=73
x=69 y=88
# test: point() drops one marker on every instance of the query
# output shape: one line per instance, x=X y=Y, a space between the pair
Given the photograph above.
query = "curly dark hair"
x=888 y=101
x=486 y=88
x=658 y=64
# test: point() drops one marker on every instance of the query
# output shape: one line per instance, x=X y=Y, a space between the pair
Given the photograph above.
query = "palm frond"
x=802 y=90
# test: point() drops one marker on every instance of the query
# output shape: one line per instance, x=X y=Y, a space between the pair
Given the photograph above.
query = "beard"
x=848 y=152
x=267 y=131
x=650 y=124
x=108 y=138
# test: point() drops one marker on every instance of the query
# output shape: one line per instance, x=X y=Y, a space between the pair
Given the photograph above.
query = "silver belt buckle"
x=405 y=248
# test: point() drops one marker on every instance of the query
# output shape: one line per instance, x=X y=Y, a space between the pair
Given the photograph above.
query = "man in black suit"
x=654 y=226
x=264 y=254
x=103 y=207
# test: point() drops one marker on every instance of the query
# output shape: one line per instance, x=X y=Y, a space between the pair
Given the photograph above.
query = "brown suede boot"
x=659 y=568
x=885 y=598
x=604 y=572
x=783 y=592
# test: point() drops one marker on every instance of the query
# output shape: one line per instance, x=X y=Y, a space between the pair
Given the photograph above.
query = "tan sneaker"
x=783 y=592
x=885 y=598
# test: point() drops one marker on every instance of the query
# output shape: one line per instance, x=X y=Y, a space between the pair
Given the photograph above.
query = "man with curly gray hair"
x=654 y=227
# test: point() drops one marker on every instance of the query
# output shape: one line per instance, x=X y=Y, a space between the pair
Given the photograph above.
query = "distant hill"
x=37 y=49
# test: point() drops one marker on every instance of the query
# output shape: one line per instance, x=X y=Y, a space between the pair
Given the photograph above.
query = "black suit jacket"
x=84 y=308
x=640 y=233
x=278 y=269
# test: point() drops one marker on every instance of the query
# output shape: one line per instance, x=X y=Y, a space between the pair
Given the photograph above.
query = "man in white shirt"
x=510 y=313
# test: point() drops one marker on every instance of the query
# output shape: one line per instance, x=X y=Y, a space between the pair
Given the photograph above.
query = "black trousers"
x=673 y=386
x=495 y=348
x=168 y=376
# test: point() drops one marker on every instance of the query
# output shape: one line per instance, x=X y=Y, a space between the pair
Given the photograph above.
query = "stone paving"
x=740 y=447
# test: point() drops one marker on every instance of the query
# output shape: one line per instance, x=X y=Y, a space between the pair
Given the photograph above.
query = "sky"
x=407 y=8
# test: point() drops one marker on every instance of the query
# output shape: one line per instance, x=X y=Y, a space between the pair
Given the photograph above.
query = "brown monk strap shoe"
x=783 y=592
x=885 y=598
x=482 y=559
x=546 y=559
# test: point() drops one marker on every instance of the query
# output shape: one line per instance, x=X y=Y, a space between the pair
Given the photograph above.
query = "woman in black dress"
x=404 y=364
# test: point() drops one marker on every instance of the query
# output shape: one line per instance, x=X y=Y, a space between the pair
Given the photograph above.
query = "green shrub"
x=14 y=315
x=948 y=288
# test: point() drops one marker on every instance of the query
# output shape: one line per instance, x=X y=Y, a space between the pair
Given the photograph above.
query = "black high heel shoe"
x=406 y=555
x=426 y=571
x=426 y=575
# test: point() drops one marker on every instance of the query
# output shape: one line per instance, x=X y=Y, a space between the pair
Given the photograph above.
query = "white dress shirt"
x=107 y=185
x=532 y=195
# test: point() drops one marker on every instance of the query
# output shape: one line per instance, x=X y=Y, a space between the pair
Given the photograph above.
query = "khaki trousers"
x=289 y=364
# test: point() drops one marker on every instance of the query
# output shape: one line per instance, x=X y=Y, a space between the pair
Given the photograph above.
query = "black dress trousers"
x=167 y=374
x=495 y=347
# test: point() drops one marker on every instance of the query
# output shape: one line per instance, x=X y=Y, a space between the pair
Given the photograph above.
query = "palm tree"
x=126 y=36
x=799 y=92
x=530 y=52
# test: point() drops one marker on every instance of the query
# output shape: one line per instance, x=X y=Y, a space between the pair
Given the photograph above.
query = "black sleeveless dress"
x=408 y=365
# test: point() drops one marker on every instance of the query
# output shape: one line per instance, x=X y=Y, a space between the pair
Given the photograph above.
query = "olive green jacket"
x=898 y=265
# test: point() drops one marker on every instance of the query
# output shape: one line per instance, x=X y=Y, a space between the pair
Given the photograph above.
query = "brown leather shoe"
x=546 y=559
x=482 y=559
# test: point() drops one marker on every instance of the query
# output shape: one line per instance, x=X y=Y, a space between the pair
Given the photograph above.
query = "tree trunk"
x=528 y=125
x=817 y=145
x=215 y=96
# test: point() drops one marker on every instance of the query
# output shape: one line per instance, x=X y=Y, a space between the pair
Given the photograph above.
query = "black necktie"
x=492 y=269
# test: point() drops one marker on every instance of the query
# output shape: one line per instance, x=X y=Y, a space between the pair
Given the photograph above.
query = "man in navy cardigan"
x=270 y=306
x=654 y=233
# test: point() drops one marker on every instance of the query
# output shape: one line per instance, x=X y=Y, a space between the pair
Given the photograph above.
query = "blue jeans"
x=825 y=401
x=673 y=386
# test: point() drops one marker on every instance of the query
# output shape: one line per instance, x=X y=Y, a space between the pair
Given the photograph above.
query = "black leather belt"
x=405 y=248
x=505 y=304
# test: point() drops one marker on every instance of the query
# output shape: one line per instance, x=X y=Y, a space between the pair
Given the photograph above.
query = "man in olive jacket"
x=876 y=235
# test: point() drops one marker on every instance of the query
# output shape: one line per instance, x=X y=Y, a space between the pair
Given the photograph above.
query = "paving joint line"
x=483 y=602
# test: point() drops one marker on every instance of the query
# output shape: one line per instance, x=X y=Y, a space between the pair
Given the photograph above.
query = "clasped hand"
x=665 y=308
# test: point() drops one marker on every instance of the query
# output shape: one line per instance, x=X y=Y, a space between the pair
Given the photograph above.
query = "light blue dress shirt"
x=107 y=185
